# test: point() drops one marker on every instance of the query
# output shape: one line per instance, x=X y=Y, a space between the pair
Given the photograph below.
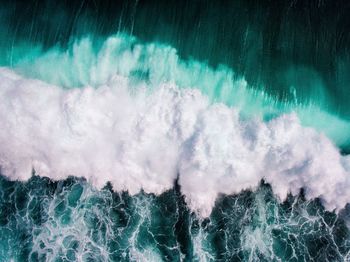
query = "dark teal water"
x=69 y=221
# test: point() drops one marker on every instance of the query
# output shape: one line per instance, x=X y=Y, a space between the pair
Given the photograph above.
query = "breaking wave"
x=141 y=139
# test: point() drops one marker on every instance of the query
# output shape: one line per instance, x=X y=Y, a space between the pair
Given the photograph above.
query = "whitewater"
x=139 y=139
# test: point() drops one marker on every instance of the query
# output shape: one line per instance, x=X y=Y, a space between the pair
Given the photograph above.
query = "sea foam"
x=142 y=139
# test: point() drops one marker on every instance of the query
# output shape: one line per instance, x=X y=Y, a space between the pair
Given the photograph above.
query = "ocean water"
x=174 y=130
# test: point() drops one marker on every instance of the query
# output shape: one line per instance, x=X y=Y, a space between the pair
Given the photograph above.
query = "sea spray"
x=94 y=63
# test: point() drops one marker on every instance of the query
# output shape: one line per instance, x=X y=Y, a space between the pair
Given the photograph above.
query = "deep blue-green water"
x=174 y=130
x=69 y=220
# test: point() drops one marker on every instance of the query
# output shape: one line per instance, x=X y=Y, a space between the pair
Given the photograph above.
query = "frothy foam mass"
x=138 y=138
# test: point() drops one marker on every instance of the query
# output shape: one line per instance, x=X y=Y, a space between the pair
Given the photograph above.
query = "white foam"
x=138 y=139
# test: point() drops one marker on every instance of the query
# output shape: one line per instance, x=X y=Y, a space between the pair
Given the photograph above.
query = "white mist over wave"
x=140 y=139
x=92 y=62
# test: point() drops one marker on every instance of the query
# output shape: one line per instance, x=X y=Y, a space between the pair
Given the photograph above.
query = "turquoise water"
x=288 y=47
x=262 y=59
